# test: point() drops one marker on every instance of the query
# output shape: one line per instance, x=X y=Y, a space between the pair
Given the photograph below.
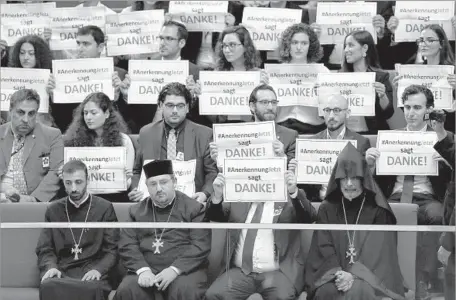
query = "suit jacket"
x=439 y=183
x=196 y=146
x=43 y=183
x=288 y=138
x=288 y=242
x=363 y=143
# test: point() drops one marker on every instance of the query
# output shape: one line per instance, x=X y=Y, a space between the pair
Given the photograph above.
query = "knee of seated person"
x=213 y=294
x=49 y=283
x=431 y=213
x=126 y=283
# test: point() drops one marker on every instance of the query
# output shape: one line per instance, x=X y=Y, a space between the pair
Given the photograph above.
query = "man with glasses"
x=336 y=113
x=176 y=138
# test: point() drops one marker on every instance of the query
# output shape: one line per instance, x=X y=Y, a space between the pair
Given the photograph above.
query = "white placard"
x=197 y=7
x=13 y=79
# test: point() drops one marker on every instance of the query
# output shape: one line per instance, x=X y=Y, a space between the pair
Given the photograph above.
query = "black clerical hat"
x=158 y=167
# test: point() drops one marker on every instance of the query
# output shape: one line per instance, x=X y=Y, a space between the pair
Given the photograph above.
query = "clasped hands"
x=162 y=280
x=344 y=281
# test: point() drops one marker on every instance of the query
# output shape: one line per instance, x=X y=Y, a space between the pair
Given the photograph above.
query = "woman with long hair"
x=96 y=123
x=360 y=55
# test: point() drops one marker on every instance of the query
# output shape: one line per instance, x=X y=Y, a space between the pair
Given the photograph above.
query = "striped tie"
x=171 y=146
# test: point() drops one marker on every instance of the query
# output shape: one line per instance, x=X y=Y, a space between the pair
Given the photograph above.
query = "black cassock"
x=376 y=267
x=185 y=249
x=99 y=251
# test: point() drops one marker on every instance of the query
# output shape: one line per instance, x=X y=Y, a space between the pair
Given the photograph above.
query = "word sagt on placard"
x=106 y=167
x=406 y=153
x=18 y=20
x=148 y=77
x=266 y=25
x=227 y=92
x=14 y=79
x=357 y=87
x=295 y=83
x=434 y=78
x=316 y=159
x=246 y=140
x=134 y=32
x=185 y=174
x=208 y=16
x=339 y=19
x=255 y=180
x=415 y=15
x=74 y=81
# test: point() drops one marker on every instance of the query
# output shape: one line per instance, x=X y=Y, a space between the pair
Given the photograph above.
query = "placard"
x=245 y=140
x=339 y=19
x=77 y=78
x=255 y=180
x=316 y=159
x=415 y=15
x=295 y=83
x=13 y=79
x=184 y=171
x=267 y=24
x=406 y=153
x=105 y=165
x=134 y=32
x=357 y=87
x=148 y=77
x=227 y=92
x=434 y=77
x=197 y=7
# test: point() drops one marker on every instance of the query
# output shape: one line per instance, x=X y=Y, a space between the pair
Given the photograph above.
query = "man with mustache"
x=176 y=138
x=74 y=263
x=32 y=153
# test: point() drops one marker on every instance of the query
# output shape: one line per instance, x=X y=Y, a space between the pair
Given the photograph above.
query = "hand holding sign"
x=50 y=86
x=47 y=34
x=291 y=181
x=316 y=28
x=278 y=148
x=380 y=89
x=392 y=24
x=135 y=195
x=3 y=46
x=453 y=22
x=379 y=25
x=218 y=185
x=264 y=77
x=372 y=154
x=200 y=197
x=293 y=165
x=213 y=150
x=229 y=20
x=452 y=80
x=396 y=80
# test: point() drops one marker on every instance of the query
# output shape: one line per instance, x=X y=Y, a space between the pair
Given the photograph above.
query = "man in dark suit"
x=426 y=191
x=261 y=261
x=32 y=153
x=336 y=113
x=175 y=137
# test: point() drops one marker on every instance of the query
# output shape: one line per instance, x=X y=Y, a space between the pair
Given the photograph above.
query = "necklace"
x=351 y=253
x=76 y=250
x=158 y=240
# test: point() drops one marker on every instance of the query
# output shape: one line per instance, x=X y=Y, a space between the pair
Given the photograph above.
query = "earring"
x=364 y=54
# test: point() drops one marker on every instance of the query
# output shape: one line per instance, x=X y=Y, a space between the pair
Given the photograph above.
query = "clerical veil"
x=376 y=261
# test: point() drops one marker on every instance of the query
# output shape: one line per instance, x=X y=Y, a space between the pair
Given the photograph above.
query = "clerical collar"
x=424 y=129
x=178 y=129
x=77 y=205
x=354 y=201
x=340 y=136
x=179 y=58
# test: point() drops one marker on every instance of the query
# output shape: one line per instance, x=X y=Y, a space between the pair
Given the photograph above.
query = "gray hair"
x=22 y=95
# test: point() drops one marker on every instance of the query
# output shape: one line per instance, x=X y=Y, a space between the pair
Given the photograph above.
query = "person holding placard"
x=164 y=264
x=261 y=261
x=176 y=138
x=360 y=55
x=90 y=44
x=427 y=192
x=75 y=263
x=33 y=152
x=96 y=123
x=435 y=49
x=90 y=3
x=353 y=265
x=299 y=45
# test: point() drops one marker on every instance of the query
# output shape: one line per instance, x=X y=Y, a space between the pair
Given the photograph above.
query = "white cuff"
x=176 y=270
x=143 y=270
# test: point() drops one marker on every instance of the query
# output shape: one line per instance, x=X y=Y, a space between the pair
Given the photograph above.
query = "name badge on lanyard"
x=45 y=161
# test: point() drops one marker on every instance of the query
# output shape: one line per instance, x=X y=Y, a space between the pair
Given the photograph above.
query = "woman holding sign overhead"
x=360 y=55
x=97 y=124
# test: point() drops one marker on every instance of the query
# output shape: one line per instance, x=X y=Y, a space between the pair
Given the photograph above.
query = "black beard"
x=336 y=128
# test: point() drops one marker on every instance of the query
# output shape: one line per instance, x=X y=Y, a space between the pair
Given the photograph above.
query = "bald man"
x=336 y=113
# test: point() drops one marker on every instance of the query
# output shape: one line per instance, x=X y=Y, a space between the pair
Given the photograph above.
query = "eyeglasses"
x=179 y=106
x=335 y=110
x=167 y=39
x=230 y=46
x=427 y=42
x=267 y=102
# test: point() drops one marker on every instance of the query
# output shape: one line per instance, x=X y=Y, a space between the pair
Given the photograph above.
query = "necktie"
x=19 y=182
x=171 y=146
x=407 y=189
x=247 y=253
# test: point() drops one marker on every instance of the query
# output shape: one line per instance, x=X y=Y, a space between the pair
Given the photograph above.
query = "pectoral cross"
x=157 y=244
x=351 y=253
x=76 y=250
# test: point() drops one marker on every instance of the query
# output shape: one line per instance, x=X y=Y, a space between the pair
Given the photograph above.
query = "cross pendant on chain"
x=76 y=250
x=351 y=253
x=157 y=244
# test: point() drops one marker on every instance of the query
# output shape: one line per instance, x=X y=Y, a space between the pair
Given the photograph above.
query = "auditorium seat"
x=19 y=276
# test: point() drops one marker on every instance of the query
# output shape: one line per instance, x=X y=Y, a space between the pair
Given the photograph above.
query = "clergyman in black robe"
x=374 y=271
x=162 y=263
x=66 y=271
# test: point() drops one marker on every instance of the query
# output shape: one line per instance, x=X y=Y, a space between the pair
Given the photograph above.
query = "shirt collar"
x=424 y=129
x=178 y=129
x=80 y=203
x=340 y=136
x=179 y=58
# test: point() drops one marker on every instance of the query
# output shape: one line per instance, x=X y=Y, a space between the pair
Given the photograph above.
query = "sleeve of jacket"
x=210 y=168
x=305 y=212
x=50 y=184
x=445 y=148
x=45 y=250
x=447 y=239
x=290 y=151
x=217 y=212
x=386 y=113
x=137 y=167
x=365 y=145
